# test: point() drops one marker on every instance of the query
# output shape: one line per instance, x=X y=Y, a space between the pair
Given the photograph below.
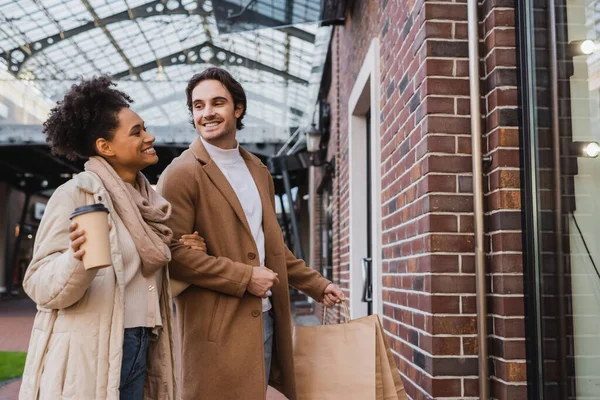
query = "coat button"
x=256 y=313
x=251 y=256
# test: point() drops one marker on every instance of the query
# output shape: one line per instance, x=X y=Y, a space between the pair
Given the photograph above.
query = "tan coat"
x=76 y=344
x=220 y=323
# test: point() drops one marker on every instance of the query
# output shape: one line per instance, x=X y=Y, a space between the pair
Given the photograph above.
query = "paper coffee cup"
x=93 y=219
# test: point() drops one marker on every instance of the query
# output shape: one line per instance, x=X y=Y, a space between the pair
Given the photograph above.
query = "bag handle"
x=344 y=309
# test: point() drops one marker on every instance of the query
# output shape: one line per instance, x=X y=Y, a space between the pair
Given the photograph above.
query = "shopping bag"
x=350 y=361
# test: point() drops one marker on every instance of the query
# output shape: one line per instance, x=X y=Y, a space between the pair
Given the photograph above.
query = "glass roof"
x=152 y=48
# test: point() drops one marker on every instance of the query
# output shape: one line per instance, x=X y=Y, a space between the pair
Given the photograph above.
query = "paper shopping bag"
x=349 y=361
x=389 y=384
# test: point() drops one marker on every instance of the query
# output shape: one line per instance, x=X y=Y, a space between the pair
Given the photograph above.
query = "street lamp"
x=313 y=139
x=313 y=147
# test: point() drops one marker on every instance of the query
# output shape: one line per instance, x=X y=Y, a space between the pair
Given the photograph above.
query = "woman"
x=103 y=333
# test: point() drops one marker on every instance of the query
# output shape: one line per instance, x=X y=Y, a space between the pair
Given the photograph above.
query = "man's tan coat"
x=219 y=322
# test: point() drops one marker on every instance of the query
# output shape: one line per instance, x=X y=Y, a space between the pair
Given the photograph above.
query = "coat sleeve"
x=300 y=275
x=180 y=187
x=55 y=279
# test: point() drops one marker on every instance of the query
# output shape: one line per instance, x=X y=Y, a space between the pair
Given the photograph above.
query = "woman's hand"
x=193 y=241
x=77 y=237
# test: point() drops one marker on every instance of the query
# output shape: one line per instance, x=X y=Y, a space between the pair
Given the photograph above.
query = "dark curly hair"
x=86 y=113
x=218 y=74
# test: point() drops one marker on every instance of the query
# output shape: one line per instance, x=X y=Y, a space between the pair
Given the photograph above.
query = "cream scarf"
x=144 y=213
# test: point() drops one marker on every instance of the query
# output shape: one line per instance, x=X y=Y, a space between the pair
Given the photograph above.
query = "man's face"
x=213 y=111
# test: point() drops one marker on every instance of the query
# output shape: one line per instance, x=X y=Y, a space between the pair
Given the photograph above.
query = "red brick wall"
x=349 y=47
x=427 y=209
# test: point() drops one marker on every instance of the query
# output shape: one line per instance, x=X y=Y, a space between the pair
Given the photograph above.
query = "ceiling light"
x=592 y=149
x=160 y=74
x=585 y=149
x=588 y=47
x=581 y=47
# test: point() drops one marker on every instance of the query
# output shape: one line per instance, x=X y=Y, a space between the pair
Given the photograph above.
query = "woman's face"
x=131 y=147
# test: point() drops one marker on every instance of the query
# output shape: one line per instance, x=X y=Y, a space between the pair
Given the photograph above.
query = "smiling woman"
x=122 y=309
x=130 y=148
x=94 y=119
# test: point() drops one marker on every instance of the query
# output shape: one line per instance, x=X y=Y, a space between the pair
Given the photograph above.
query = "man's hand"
x=261 y=281
x=332 y=295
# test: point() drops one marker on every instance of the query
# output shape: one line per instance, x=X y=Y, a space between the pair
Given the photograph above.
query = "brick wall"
x=348 y=49
x=427 y=214
x=503 y=202
x=429 y=281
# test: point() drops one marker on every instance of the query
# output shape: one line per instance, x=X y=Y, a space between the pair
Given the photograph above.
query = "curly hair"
x=233 y=87
x=86 y=113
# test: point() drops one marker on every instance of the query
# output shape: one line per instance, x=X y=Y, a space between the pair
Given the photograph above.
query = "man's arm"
x=304 y=278
x=179 y=186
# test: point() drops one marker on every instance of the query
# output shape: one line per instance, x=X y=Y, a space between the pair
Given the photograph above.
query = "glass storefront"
x=560 y=98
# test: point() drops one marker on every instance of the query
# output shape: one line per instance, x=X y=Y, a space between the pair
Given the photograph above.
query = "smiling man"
x=234 y=320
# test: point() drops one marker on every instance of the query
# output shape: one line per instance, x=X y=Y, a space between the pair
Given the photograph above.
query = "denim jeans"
x=133 y=367
x=268 y=332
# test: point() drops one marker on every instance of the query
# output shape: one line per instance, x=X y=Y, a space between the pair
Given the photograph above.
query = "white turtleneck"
x=232 y=164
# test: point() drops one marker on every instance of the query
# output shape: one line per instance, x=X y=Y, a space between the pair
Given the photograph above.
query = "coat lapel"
x=220 y=181
x=257 y=170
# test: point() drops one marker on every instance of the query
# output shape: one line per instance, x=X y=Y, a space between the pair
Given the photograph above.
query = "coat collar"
x=88 y=182
x=201 y=154
x=255 y=166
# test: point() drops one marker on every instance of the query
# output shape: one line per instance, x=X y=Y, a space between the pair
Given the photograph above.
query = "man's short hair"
x=233 y=87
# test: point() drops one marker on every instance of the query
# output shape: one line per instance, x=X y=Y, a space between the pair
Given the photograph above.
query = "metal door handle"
x=367 y=295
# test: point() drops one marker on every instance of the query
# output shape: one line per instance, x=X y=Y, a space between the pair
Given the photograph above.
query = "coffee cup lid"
x=88 y=209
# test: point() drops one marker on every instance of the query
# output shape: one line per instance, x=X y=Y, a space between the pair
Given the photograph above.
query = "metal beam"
x=150 y=9
x=44 y=153
x=193 y=55
x=12 y=266
x=298 y=252
x=267 y=22
x=119 y=50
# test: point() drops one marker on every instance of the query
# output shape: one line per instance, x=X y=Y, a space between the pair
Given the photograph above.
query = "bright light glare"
x=588 y=47
x=160 y=74
x=592 y=149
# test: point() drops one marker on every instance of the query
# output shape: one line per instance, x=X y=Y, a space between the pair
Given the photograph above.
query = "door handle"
x=367 y=292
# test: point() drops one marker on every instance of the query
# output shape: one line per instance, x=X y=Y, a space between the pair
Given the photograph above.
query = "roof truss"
x=150 y=9
x=218 y=57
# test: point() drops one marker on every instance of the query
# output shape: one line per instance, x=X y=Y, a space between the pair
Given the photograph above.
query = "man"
x=234 y=320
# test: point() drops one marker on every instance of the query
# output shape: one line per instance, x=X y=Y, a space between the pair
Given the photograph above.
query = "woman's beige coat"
x=76 y=344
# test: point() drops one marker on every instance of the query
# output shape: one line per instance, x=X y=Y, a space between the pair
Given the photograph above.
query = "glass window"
x=326 y=228
x=561 y=179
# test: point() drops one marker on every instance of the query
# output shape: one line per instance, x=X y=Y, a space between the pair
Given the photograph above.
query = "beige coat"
x=220 y=323
x=76 y=344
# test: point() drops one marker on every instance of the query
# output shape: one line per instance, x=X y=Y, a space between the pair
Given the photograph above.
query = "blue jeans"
x=268 y=331
x=133 y=366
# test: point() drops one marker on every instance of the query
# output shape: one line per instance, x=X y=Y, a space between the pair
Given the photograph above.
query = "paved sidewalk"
x=16 y=317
